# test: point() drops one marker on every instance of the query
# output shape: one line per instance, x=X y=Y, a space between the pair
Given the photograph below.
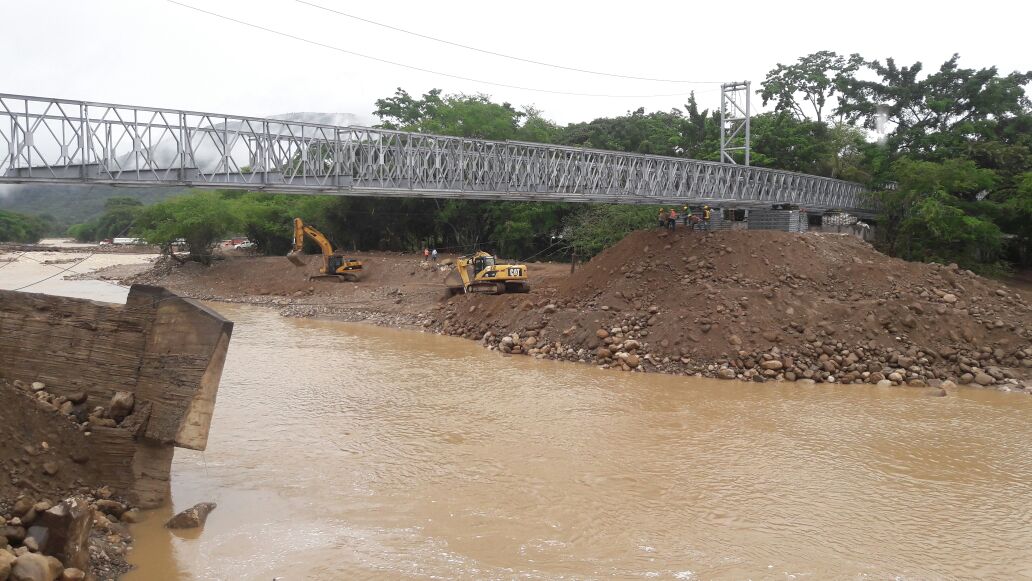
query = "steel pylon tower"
x=734 y=120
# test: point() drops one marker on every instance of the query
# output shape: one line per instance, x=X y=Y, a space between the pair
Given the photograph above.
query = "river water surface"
x=342 y=451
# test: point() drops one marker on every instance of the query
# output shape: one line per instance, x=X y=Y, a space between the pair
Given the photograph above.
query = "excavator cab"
x=482 y=263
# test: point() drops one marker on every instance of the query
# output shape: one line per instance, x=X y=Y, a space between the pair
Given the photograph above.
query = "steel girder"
x=46 y=140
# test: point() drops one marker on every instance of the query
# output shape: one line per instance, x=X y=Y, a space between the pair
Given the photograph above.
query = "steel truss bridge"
x=57 y=141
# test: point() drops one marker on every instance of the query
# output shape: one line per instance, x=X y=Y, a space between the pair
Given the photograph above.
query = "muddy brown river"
x=342 y=451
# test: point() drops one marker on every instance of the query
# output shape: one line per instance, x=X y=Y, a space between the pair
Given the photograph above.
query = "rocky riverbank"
x=55 y=521
x=752 y=306
x=760 y=306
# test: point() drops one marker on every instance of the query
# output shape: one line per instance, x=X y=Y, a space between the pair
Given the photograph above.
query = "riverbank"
x=57 y=512
x=451 y=461
x=753 y=306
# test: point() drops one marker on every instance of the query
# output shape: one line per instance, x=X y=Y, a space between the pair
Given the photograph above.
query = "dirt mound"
x=44 y=450
x=236 y=277
x=764 y=304
x=396 y=289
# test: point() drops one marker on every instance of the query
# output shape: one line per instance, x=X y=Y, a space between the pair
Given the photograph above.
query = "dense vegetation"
x=15 y=227
x=951 y=148
x=67 y=205
x=119 y=215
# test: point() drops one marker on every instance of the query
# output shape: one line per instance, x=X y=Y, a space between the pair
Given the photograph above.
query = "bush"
x=15 y=227
x=202 y=219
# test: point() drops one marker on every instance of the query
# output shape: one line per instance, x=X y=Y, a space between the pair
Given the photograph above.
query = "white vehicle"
x=245 y=245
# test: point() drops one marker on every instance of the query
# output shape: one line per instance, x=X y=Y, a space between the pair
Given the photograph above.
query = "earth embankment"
x=752 y=305
x=766 y=305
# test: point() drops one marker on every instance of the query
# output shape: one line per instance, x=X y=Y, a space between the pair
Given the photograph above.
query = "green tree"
x=16 y=227
x=925 y=218
x=935 y=116
x=474 y=116
x=202 y=219
x=118 y=217
x=658 y=133
x=803 y=88
x=268 y=219
x=593 y=228
x=1014 y=216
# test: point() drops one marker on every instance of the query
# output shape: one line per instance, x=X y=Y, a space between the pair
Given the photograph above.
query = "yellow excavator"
x=335 y=265
x=482 y=273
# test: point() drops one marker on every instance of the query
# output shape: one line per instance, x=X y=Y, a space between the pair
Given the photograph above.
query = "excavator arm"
x=334 y=266
x=300 y=231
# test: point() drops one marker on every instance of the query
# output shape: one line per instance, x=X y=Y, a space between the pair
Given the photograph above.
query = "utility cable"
x=413 y=67
x=498 y=54
x=15 y=259
x=90 y=255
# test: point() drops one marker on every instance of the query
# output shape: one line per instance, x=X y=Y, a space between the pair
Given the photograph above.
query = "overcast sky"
x=155 y=53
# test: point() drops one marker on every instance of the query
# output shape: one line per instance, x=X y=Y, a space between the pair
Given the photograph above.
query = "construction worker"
x=426 y=254
x=662 y=218
x=672 y=219
x=685 y=213
x=433 y=254
x=693 y=221
x=706 y=217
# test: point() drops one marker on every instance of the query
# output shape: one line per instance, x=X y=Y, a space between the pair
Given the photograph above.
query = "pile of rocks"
x=43 y=541
x=768 y=306
x=816 y=357
x=74 y=406
x=353 y=314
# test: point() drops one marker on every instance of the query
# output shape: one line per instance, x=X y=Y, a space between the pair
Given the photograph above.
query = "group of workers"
x=429 y=254
x=668 y=218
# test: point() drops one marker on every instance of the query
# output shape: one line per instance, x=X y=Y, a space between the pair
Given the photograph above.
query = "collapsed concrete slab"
x=154 y=363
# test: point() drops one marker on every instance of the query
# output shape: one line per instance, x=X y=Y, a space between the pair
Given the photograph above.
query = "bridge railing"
x=55 y=140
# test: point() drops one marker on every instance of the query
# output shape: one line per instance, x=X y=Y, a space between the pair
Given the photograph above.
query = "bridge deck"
x=57 y=141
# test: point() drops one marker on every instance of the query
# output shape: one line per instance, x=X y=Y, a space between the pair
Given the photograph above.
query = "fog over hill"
x=72 y=204
x=337 y=119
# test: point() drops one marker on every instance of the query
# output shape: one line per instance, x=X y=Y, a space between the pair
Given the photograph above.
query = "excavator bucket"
x=293 y=257
x=453 y=280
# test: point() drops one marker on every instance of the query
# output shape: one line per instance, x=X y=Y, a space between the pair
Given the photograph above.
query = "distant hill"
x=73 y=204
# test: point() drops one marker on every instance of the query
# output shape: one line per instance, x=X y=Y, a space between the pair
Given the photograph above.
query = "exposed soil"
x=758 y=305
x=395 y=288
x=751 y=305
x=46 y=456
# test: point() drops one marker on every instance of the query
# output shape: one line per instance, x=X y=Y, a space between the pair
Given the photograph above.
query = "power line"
x=15 y=259
x=413 y=67
x=498 y=54
x=55 y=274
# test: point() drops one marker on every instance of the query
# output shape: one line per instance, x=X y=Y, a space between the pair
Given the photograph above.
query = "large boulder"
x=35 y=567
x=6 y=562
x=112 y=507
x=22 y=506
x=68 y=532
x=39 y=536
x=984 y=379
x=191 y=518
x=13 y=534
